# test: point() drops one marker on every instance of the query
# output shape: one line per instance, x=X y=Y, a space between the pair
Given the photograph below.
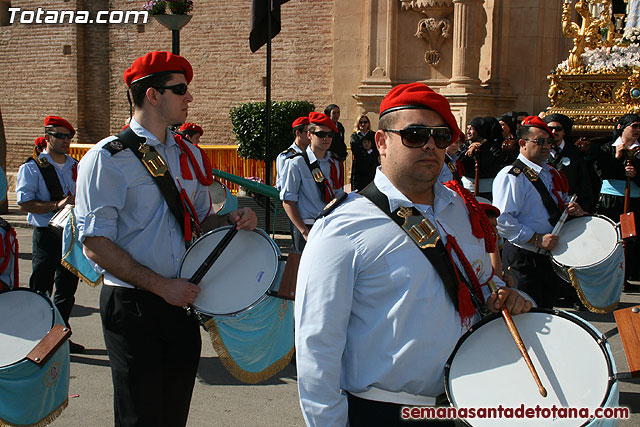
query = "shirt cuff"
x=288 y=196
x=93 y=225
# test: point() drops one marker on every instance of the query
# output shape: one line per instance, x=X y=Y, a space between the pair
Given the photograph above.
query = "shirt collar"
x=442 y=196
x=312 y=157
x=537 y=168
x=151 y=138
x=619 y=142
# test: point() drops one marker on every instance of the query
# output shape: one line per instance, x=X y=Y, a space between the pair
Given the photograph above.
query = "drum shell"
x=562 y=270
x=599 y=346
x=31 y=394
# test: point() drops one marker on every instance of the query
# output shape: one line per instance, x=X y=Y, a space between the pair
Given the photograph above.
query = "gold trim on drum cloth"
x=70 y=267
x=43 y=422
x=576 y=284
x=232 y=366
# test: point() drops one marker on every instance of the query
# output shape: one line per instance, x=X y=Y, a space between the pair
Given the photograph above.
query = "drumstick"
x=213 y=256
x=519 y=343
x=563 y=217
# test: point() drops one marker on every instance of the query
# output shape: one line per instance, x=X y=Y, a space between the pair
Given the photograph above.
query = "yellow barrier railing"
x=225 y=158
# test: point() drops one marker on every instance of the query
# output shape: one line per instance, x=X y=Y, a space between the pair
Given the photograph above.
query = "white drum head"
x=25 y=318
x=487 y=370
x=585 y=241
x=245 y=270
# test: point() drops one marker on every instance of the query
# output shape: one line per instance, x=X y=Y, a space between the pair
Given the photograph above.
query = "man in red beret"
x=142 y=195
x=300 y=143
x=311 y=178
x=531 y=196
x=379 y=306
x=192 y=132
x=46 y=184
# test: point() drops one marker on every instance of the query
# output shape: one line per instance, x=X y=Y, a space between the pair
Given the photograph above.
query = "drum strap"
x=453 y=167
x=50 y=178
x=326 y=192
x=429 y=243
x=551 y=206
x=162 y=178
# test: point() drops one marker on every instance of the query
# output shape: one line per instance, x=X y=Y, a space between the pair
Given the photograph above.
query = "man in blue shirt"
x=304 y=194
x=45 y=185
x=129 y=231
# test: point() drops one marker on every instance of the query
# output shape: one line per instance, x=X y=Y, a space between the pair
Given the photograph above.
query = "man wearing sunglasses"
x=311 y=178
x=129 y=229
x=532 y=195
x=378 y=308
x=46 y=184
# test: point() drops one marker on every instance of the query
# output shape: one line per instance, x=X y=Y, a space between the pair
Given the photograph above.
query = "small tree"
x=249 y=122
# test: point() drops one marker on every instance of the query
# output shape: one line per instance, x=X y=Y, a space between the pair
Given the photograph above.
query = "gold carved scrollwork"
x=592 y=92
x=588 y=33
x=434 y=32
x=629 y=92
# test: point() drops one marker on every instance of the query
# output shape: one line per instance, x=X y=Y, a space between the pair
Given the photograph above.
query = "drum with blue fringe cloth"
x=251 y=330
x=30 y=395
x=590 y=256
x=73 y=259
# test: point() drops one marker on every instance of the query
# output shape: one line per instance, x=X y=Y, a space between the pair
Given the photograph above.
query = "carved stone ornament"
x=434 y=32
x=422 y=5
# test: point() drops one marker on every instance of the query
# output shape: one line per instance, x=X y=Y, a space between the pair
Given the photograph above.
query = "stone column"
x=467 y=40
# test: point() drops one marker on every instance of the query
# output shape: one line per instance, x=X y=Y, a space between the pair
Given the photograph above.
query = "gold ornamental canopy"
x=600 y=80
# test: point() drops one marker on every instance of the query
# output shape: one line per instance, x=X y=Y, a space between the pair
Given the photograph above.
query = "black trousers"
x=612 y=207
x=153 y=349
x=534 y=274
x=47 y=271
x=369 y=413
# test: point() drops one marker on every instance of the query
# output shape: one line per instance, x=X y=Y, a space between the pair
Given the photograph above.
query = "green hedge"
x=249 y=126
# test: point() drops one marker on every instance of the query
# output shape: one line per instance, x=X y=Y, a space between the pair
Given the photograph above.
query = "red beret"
x=41 y=141
x=58 y=121
x=536 y=122
x=300 y=121
x=191 y=126
x=323 y=120
x=155 y=63
x=419 y=96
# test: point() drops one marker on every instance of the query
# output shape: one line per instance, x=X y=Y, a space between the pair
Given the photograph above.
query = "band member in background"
x=131 y=232
x=300 y=143
x=46 y=184
x=569 y=159
x=192 y=132
x=531 y=195
x=9 y=278
x=311 y=179
x=615 y=163
x=377 y=318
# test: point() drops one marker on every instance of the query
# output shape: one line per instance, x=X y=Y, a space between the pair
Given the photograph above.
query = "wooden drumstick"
x=213 y=256
x=519 y=343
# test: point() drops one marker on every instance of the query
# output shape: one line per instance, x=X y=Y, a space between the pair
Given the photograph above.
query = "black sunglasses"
x=60 y=135
x=556 y=128
x=635 y=126
x=418 y=136
x=363 y=122
x=179 y=89
x=541 y=141
x=324 y=134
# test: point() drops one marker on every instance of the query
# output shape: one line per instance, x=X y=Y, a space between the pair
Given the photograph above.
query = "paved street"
x=219 y=399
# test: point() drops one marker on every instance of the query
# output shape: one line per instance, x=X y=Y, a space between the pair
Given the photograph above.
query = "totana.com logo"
x=42 y=16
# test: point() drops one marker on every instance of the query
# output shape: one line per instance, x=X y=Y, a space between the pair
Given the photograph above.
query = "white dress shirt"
x=522 y=212
x=371 y=311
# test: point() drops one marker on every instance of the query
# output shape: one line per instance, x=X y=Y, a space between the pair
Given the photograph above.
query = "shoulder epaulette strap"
x=114 y=146
x=289 y=150
x=515 y=170
x=332 y=205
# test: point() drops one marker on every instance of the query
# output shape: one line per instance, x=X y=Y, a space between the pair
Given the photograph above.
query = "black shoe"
x=75 y=348
x=628 y=287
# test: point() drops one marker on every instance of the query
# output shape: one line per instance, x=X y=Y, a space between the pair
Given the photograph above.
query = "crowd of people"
x=392 y=273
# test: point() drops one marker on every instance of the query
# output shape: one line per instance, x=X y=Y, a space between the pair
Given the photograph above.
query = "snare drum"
x=222 y=199
x=574 y=362
x=30 y=394
x=590 y=256
x=251 y=331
